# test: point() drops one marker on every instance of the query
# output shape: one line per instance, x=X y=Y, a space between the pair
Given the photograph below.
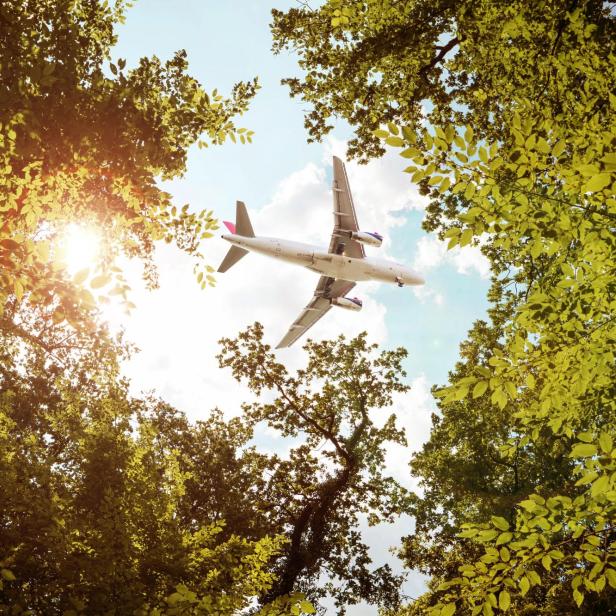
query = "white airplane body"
x=319 y=260
x=340 y=266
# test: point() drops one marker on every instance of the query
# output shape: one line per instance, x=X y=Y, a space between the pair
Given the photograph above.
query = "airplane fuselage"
x=321 y=261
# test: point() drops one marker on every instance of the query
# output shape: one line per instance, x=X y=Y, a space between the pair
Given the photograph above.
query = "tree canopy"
x=333 y=474
x=101 y=509
x=110 y=501
x=84 y=140
x=505 y=112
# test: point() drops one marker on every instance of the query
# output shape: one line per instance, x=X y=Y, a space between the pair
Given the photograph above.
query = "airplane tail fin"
x=243 y=227
x=233 y=256
x=242 y=222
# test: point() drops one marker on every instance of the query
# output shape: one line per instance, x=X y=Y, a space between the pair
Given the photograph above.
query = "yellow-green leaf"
x=7 y=575
x=583 y=450
x=396 y=142
x=597 y=182
x=500 y=522
x=559 y=148
x=448 y=610
x=81 y=275
x=504 y=600
x=480 y=389
x=100 y=281
x=605 y=441
x=504 y=538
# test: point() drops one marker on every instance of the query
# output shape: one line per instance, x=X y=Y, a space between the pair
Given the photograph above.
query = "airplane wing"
x=345 y=219
x=327 y=289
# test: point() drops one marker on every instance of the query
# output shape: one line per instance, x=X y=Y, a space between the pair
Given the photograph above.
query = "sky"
x=285 y=183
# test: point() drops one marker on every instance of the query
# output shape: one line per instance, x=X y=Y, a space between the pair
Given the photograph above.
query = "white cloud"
x=432 y=253
x=427 y=294
x=414 y=415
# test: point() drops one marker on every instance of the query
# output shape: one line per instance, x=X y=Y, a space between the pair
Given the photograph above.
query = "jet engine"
x=348 y=303
x=366 y=237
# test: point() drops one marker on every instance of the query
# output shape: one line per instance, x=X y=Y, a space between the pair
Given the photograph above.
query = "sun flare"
x=80 y=248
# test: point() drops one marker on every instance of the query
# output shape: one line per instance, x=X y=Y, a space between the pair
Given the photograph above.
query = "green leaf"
x=7 y=575
x=524 y=585
x=448 y=610
x=610 y=158
x=597 y=182
x=605 y=441
x=600 y=486
x=578 y=597
x=505 y=537
x=307 y=607
x=480 y=389
x=611 y=577
x=487 y=535
x=396 y=142
x=410 y=153
x=499 y=397
x=444 y=187
x=504 y=600
x=381 y=134
x=583 y=450
x=559 y=148
x=409 y=135
x=466 y=237
x=587 y=478
x=500 y=523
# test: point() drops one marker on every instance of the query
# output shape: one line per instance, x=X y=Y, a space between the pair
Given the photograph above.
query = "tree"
x=97 y=509
x=108 y=500
x=333 y=473
x=443 y=62
x=466 y=478
x=518 y=151
x=85 y=140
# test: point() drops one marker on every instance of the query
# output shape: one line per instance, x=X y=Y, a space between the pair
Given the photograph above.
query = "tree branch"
x=444 y=50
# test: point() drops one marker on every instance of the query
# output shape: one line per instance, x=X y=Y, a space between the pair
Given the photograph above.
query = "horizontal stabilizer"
x=233 y=256
x=229 y=226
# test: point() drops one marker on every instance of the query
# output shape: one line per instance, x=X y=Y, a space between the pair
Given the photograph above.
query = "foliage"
x=466 y=478
x=94 y=501
x=516 y=151
x=545 y=197
x=109 y=500
x=416 y=62
x=84 y=140
x=333 y=472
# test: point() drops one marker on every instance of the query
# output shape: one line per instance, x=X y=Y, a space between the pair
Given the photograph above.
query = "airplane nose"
x=414 y=278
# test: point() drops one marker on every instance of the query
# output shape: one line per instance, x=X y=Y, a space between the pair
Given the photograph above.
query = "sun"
x=80 y=248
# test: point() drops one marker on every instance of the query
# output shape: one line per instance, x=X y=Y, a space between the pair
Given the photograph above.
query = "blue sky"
x=285 y=184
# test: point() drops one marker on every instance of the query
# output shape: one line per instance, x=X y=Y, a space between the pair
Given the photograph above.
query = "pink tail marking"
x=229 y=226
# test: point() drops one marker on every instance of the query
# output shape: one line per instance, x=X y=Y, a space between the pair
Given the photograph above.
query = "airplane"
x=340 y=266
